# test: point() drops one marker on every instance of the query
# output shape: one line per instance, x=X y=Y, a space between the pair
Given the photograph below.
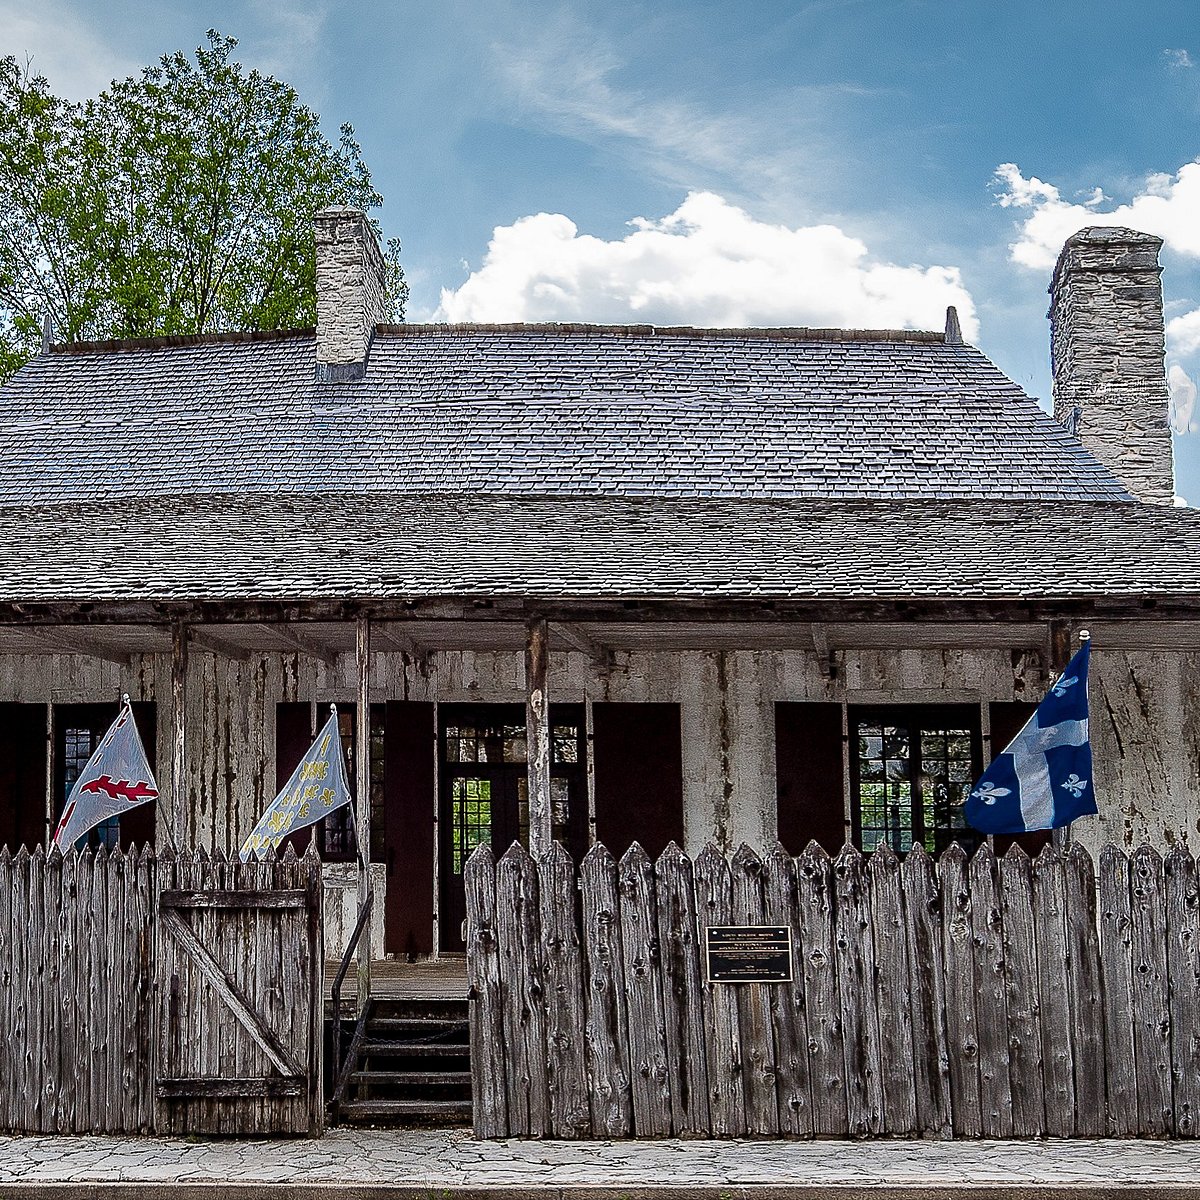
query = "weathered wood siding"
x=954 y=999
x=241 y=997
x=341 y=907
x=1145 y=718
x=108 y=1024
x=78 y=1019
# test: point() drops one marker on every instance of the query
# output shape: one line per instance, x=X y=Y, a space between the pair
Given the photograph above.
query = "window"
x=911 y=770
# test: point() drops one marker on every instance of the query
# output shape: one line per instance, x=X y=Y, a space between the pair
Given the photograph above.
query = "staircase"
x=412 y=1065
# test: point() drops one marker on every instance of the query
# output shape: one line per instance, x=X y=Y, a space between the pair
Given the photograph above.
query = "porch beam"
x=391 y=638
x=216 y=644
x=537 y=736
x=72 y=641
x=362 y=803
x=574 y=637
x=304 y=643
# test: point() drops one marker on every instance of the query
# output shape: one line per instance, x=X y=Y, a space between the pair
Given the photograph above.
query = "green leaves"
x=179 y=201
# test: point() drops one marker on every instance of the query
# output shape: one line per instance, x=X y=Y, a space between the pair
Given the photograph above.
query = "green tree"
x=179 y=201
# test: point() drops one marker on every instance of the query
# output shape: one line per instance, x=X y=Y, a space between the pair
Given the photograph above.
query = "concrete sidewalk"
x=352 y=1164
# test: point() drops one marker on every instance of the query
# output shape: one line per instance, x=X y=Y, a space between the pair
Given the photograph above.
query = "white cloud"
x=1185 y=417
x=72 y=54
x=291 y=36
x=1178 y=60
x=1183 y=334
x=707 y=263
x=566 y=74
x=1167 y=205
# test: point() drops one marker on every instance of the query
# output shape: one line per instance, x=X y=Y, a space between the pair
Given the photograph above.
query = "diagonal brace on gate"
x=183 y=933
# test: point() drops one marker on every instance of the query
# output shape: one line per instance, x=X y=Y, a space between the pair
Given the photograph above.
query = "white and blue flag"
x=1043 y=779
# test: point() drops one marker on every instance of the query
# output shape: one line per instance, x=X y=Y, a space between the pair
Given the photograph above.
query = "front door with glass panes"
x=484 y=792
x=911 y=770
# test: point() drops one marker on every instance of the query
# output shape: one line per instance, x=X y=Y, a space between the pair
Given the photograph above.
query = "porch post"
x=175 y=824
x=537 y=734
x=362 y=802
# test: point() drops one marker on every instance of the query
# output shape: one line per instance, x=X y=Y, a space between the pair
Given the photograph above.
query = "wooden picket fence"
x=171 y=994
x=956 y=998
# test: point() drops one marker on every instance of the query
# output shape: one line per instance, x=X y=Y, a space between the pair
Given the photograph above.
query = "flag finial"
x=125 y=701
x=1085 y=635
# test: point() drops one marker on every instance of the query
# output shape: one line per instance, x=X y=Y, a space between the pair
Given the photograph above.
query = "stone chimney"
x=1106 y=350
x=351 y=292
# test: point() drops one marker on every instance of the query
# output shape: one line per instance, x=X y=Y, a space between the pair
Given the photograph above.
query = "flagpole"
x=1060 y=838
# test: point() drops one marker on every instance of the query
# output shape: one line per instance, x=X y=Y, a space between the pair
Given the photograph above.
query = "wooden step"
x=380 y=1046
x=421 y=1025
x=413 y=1110
x=412 y=1078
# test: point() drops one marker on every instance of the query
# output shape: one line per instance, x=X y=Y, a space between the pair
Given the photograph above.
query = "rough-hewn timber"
x=960 y=998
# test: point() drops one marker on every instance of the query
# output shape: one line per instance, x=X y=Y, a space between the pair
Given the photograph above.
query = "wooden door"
x=410 y=764
x=638 y=757
x=240 y=988
x=810 y=792
x=22 y=775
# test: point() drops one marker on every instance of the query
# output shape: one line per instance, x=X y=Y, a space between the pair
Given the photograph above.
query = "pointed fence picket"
x=103 y=1029
x=972 y=997
x=76 y=992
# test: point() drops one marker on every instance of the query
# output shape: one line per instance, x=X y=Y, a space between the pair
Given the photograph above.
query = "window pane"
x=471 y=819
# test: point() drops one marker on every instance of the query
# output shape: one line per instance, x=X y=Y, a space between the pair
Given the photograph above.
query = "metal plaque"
x=748 y=953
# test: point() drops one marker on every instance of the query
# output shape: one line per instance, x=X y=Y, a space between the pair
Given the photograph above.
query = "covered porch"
x=654 y=721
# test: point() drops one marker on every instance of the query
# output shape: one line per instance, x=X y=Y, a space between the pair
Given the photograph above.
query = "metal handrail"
x=341 y=1075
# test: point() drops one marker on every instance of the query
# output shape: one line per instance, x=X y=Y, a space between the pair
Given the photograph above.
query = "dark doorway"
x=410 y=808
x=638 y=754
x=483 y=792
x=810 y=791
x=22 y=775
x=78 y=729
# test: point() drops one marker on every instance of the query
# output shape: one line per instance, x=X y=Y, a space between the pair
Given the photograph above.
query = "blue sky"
x=831 y=162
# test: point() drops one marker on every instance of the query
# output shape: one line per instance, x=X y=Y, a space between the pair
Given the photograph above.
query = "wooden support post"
x=537 y=733
x=362 y=803
x=175 y=823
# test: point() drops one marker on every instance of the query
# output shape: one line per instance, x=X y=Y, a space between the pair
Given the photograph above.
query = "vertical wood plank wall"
x=78 y=1014
x=958 y=998
x=107 y=1025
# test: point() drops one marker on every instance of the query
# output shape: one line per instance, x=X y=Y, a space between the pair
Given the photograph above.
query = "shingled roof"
x=549 y=410
x=403 y=547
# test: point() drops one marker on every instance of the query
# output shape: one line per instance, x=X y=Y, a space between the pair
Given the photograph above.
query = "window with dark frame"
x=911 y=770
x=472 y=749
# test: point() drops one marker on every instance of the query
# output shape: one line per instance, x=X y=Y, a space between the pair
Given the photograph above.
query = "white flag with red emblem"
x=117 y=778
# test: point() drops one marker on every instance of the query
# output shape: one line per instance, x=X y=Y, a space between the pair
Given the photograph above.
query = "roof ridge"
x=783 y=333
x=174 y=340
x=780 y=333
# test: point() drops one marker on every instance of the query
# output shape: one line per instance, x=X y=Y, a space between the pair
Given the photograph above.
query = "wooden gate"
x=240 y=985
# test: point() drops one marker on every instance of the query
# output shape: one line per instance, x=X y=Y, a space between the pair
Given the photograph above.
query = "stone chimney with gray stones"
x=1106 y=350
x=351 y=292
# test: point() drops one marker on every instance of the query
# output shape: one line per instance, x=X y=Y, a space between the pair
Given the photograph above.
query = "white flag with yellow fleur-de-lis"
x=317 y=786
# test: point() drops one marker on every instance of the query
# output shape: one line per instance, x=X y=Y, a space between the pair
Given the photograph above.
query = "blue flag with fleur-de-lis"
x=1043 y=778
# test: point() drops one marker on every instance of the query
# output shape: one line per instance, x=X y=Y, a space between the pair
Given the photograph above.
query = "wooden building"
x=593 y=583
